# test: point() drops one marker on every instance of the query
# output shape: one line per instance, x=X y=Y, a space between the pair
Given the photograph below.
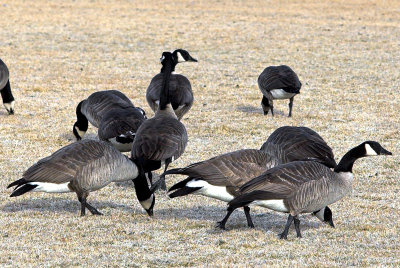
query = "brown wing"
x=63 y=165
x=279 y=77
x=160 y=138
x=119 y=122
x=4 y=74
x=230 y=169
x=288 y=144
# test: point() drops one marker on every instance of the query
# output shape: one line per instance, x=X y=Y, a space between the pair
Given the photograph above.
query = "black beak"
x=330 y=222
x=192 y=59
x=385 y=152
x=150 y=212
x=11 y=111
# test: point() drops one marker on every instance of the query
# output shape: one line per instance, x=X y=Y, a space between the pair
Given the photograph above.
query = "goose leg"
x=93 y=210
x=297 y=226
x=290 y=106
x=163 y=185
x=248 y=218
x=83 y=205
x=284 y=234
x=221 y=224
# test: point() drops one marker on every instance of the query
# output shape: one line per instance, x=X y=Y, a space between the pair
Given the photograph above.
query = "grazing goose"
x=303 y=186
x=220 y=177
x=115 y=116
x=180 y=90
x=278 y=82
x=82 y=167
x=163 y=137
x=5 y=89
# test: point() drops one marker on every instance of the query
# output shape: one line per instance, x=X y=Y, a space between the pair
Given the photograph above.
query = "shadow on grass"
x=274 y=222
x=62 y=204
x=258 y=110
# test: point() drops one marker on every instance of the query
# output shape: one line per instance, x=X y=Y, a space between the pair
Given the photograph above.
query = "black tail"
x=174 y=171
x=23 y=189
x=17 y=183
x=183 y=191
x=180 y=184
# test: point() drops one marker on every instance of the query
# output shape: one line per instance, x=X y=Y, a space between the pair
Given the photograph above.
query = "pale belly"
x=276 y=205
x=281 y=94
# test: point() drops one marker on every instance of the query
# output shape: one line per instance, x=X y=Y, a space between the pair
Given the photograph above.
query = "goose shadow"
x=59 y=204
x=257 y=110
x=265 y=222
x=69 y=136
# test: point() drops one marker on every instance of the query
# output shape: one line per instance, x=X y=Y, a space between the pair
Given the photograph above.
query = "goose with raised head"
x=220 y=177
x=303 y=186
x=83 y=167
x=163 y=137
x=5 y=88
x=180 y=89
x=115 y=116
x=278 y=82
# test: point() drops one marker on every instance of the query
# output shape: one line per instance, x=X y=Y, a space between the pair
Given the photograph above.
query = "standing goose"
x=180 y=90
x=278 y=82
x=220 y=177
x=5 y=88
x=115 y=116
x=163 y=137
x=303 y=186
x=82 y=167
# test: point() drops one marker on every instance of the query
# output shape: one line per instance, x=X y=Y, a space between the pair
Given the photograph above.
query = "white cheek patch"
x=320 y=214
x=162 y=58
x=180 y=57
x=9 y=106
x=80 y=132
x=369 y=150
x=146 y=204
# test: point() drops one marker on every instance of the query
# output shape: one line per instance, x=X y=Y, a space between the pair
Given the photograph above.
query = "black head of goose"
x=278 y=82
x=163 y=137
x=303 y=186
x=180 y=90
x=82 y=167
x=5 y=88
x=220 y=177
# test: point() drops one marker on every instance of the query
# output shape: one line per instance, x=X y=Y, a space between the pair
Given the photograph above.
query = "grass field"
x=346 y=53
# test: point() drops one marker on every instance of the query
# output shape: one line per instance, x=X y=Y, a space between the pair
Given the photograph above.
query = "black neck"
x=6 y=94
x=81 y=120
x=141 y=187
x=166 y=70
x=347 y=161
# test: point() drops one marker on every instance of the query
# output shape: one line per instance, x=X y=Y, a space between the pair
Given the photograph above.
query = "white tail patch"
x=50 y=187
x=276 y=204
x=281 y=94
x=369 y=151
x=217 y=192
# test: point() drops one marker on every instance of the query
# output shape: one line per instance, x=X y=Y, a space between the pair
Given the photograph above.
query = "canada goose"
x=303 y=186
x=220 y=177
x=180 y=90
x=278 y=82
x=115 y=116
x=83 y=167
x=163 y=137
x=5 y=88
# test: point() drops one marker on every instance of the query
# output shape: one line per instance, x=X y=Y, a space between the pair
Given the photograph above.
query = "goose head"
x=325 y=215
x=9 y=107
x=372 y=148
x=181 y=55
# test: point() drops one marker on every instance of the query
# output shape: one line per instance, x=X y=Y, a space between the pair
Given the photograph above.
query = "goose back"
x=278 y=77
x=180 y=93
x=289 y=144
x=99 y=103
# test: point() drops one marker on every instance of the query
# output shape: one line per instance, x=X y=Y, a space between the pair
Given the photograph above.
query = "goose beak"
x=150 y=212
x=191 y=59
x=330 y=222
x=385 y=152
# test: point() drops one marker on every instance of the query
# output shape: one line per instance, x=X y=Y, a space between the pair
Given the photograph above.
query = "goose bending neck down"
x=5 y=88
x=83 y=167
x=303 y=186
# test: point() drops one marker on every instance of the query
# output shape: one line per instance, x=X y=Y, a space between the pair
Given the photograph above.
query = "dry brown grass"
x=346 y=54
